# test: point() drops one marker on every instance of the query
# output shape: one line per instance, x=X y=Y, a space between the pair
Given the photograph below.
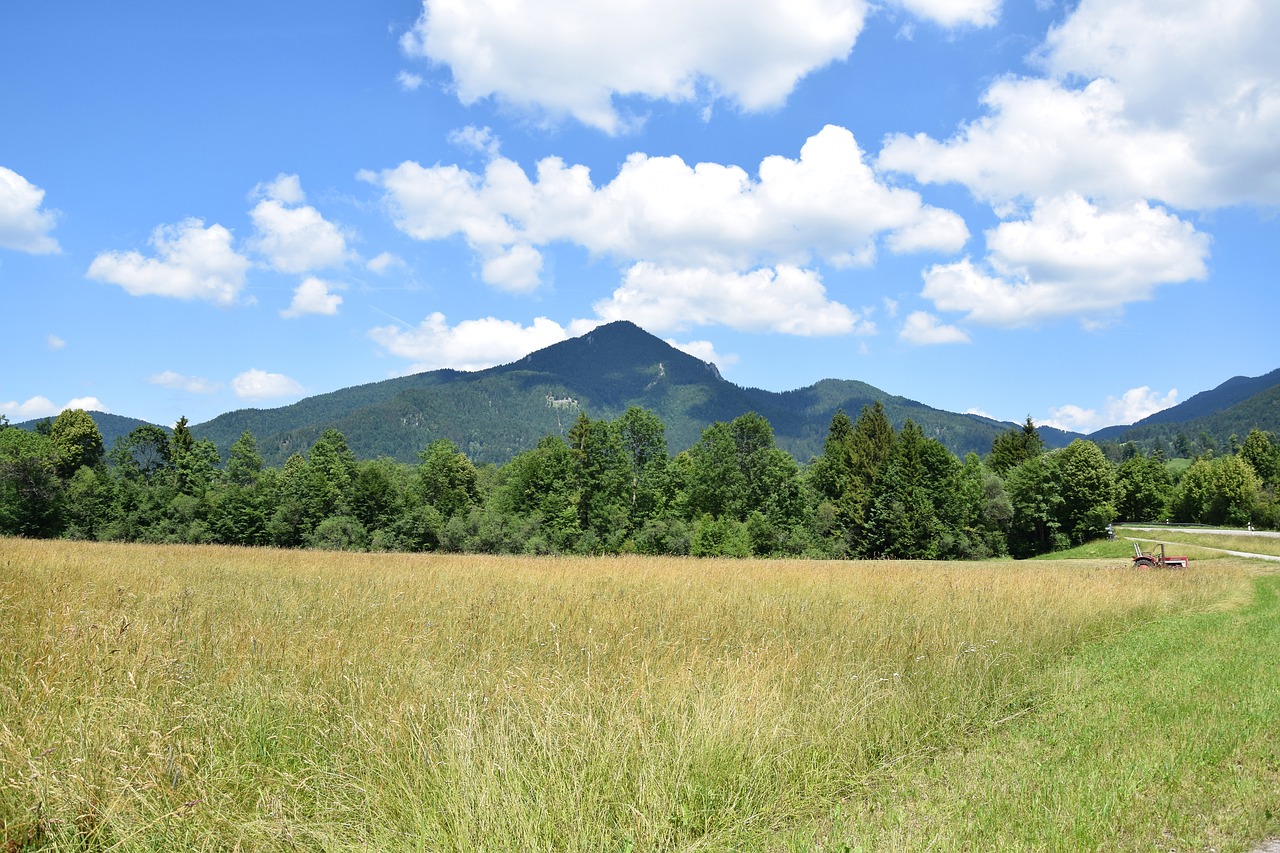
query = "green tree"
x=447 y=480
x=1086 y=483
x=603 y=476
x=847 y=474
x=918 y=506
x=144 y=452
x=76 y=440
x=334 y=468
x=538 y=486
x=1143 y=489
x=1011 y=448
x=1037 y=505
x=1236 y=489
x=30 y=490
x=644 y=442
x=1262 y=455
x=244 y=462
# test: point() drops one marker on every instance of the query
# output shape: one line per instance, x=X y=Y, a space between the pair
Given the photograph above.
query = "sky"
x=1062 y=210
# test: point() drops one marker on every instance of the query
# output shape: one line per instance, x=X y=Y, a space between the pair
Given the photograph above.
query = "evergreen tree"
x=1011 y=448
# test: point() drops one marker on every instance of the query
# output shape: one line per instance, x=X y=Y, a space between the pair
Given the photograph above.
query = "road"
x=1269 y=534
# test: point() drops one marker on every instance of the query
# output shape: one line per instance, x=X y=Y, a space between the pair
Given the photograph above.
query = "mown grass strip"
x=1166 y=737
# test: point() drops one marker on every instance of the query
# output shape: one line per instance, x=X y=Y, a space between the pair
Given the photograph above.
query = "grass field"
x=164 y=698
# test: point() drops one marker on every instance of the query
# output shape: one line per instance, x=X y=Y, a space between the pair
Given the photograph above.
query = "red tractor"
x=1153 y=560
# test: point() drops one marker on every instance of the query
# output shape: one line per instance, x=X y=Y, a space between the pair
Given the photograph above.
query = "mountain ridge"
x=497 y=412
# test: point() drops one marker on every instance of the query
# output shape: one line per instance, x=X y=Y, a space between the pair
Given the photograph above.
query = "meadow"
x=212 y=698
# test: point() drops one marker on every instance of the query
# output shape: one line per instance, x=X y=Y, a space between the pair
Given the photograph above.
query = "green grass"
x=1165 y=737
x=163 y=698
x=1120 y=550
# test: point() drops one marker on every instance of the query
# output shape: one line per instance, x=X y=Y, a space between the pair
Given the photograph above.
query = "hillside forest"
x=611 y=486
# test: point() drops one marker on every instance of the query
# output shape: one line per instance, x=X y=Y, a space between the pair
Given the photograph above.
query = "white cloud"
x=827 y=204
x=313 y=296
x=257 y=384
x=924 y=329
x=954 y=13
x=1133 y=405
x=705 y=351
x=43 y=407
x=295 y=239
x=409 y=81
x=24 y=224
x=55 y=343
x=470 y=345
x=517 y=269
x=193 y=262
x=383 y=262
x=572 y=57
x=789 y=300
x=1181 y=104
x=190 y=384
x=1070 y=259
x=481 y=139
x=286 y=189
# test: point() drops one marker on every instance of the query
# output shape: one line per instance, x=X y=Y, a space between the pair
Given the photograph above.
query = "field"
x=164 y=698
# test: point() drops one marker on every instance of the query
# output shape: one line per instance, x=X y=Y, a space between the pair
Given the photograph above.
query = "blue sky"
x=1062 y=210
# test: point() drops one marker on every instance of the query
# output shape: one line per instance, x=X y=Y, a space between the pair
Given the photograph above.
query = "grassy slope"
x=159 y=698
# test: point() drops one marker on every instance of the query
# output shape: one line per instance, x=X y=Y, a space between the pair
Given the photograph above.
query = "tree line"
x=610 y=486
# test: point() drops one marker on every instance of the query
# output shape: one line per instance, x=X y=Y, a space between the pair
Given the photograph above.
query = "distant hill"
x=1229 y=394
x=497 y=413
x=111 y=426
x=1235 y=407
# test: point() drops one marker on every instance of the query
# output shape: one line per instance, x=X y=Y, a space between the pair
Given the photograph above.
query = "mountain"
x=1205 y=405
x=111 y=426
x=496 y=413
x=1261 y=411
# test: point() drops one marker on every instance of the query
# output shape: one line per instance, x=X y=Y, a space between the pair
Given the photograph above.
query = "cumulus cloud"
x=705 y=351
x=257 y=384
x=481 y=139
x=923 y=329
x=827 y=205
x=42 y=407
x=1070 y=258
x=787 y=299
x=1133 y=405
x=179 y=382
x=573 y=57
x=471 y=344
x=295 y=237
x=54 y=343
x=383 y=262
x=24 y=223
x=192 y=262
x=409 y=81
x=286 y=189
x=313 y=296
x=1184 y=111
x=954 y=13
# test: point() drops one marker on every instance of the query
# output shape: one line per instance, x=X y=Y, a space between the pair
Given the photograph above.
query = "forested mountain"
x=1234 y=408
x=109 y=426
x=494 y=414
x=1184 y=438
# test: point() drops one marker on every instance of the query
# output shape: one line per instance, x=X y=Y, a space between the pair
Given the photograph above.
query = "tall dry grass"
x=213 y=698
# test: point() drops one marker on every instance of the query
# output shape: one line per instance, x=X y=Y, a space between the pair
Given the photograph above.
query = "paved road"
x=1264 y=533
x=1269 y=534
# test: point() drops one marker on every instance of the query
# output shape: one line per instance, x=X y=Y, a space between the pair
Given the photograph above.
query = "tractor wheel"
x=1144 y=563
